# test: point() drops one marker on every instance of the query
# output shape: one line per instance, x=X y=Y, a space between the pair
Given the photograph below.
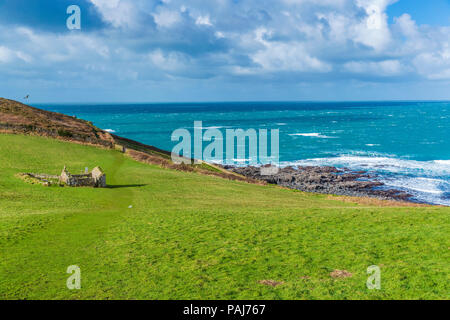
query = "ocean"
x=406 y=144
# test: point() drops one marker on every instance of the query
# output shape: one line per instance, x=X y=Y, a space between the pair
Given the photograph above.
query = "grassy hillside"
x=191 y=236
x=18 y=118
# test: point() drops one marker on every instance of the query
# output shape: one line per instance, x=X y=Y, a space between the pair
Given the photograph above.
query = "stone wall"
x=96 y=178
x=99 y=177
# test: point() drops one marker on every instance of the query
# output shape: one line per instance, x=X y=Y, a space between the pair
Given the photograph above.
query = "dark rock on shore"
x=328 y=180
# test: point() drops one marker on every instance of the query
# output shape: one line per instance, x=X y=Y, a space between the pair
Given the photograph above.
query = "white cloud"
x=279 y=56
x=118 y=13
x=219 y=35
x=329 y=3
x=407 y=25
x=7 y=55
x=166 y=18
x=171 y=61
x=435 y=66
x=373 y=30
x=330 y=38
x=203 y=20
x=282 y=57
x=110 y=4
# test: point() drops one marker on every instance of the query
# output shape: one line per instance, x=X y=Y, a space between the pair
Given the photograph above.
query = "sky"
x=225 y=50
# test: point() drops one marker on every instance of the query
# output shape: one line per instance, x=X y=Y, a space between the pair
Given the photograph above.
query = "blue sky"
x=432 y=12
x=225 y=50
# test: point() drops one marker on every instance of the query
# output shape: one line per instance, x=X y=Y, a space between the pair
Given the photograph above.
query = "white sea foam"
x=212 y=127
x=110 y=130
x=423 y=189
x=313 y=134
x=217 y=127
x=427 y=181
x=380 y=163
x=442 y=162
x=426 y=185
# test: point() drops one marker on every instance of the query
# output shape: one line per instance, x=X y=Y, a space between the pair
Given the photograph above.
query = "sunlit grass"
x=189 y=236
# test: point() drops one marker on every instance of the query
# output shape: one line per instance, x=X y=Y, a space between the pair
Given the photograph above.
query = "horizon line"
x=230 y=101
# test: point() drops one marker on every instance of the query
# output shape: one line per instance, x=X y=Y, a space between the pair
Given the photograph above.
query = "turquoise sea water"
x=407 y=144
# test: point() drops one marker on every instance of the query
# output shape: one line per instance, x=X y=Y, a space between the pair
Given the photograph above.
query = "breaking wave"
x=427 y=181
x=314 y=135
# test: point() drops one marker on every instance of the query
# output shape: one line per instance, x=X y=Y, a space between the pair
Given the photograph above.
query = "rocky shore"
x=328 y=180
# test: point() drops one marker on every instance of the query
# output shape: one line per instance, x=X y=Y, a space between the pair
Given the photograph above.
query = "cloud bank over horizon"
x=172 y=50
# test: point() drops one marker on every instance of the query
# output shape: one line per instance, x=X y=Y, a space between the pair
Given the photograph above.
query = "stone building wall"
x=96 y=178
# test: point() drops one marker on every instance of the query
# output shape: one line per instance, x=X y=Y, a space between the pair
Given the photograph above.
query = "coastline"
x=329 y=180
x=371 y=137
x=19 y=118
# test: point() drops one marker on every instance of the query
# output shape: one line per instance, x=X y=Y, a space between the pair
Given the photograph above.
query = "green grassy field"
x=189 y=236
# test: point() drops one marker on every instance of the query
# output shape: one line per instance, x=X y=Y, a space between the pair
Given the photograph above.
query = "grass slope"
x=190 y=236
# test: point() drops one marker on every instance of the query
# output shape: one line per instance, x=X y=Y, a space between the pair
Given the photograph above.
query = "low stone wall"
x=44 y=179
x=43 y=176
x=84 y=181
x=96 y=178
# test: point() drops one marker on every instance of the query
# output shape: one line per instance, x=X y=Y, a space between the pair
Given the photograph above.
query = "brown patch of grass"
x=271 y=283
x=16 y=117
x=165 y=163
x=341 y=274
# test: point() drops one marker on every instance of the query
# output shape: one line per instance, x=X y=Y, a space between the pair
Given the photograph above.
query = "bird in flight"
x=27 y=96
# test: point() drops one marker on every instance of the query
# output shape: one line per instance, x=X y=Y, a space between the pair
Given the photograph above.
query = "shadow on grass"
x=125 y=186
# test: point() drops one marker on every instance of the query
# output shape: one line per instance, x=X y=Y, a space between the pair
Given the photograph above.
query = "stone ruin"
x=96 y=178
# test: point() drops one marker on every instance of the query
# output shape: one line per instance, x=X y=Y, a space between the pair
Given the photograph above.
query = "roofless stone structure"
x=95 y=178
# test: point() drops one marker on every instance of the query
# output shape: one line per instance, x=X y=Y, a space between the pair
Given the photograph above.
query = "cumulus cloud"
x=373 y=30
x=280 y=56
x=118 y=13
x=288 y=39
x=434 y=65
